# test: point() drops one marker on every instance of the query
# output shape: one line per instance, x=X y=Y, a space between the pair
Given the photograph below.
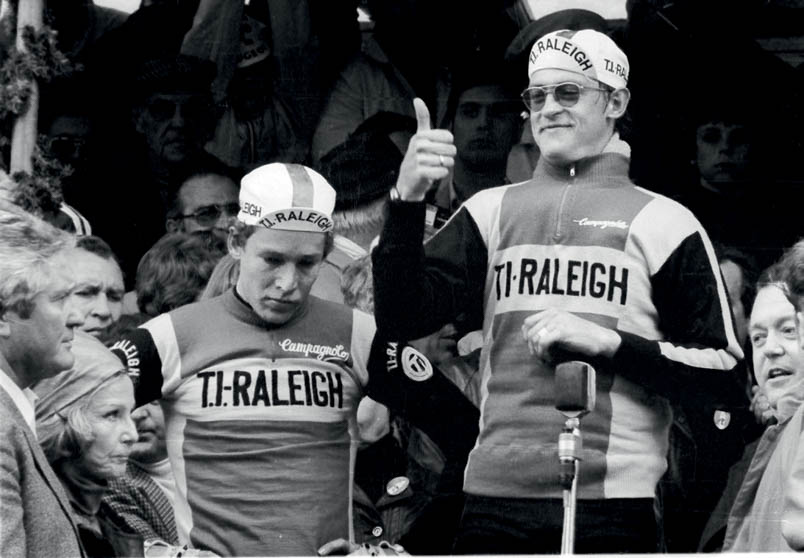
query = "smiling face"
x=778 y=357
x=277 y=271
x=567 y=134
x=109 y=413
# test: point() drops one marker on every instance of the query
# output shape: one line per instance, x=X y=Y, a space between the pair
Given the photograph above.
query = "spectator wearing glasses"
x=205 y=201
x=575 y=264
x=170 y=119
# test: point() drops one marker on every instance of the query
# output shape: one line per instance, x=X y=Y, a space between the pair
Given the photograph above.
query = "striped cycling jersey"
x=584 y=240
x=259 y=418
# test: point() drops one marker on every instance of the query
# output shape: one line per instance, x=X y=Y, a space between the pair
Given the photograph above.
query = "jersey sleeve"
x=404 y=380
x=151 y=354
x=419 y=288
x=698 y=356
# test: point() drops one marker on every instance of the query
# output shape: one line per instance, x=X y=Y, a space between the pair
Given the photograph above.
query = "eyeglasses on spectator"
x=208 y=215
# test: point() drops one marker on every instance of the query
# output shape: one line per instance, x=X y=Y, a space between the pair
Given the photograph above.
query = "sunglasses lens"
x=534 y=98
x=206 y=216
x=567 y=94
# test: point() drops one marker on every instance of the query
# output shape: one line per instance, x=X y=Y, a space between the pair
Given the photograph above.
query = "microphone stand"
x=575 y=388
x=570 y=447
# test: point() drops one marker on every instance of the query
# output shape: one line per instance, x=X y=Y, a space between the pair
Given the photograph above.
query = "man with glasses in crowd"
x=205 y=201
x=171 y=118
x=576 y=263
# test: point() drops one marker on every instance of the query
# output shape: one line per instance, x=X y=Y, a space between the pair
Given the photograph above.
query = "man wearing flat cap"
x=260 y=385
x=576 y=263
x=37 y=321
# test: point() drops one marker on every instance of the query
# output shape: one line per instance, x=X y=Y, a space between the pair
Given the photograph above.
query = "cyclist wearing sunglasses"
x=575 y=264
x=206 y=201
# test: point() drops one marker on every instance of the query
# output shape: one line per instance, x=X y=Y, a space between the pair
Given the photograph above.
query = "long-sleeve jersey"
x=586 y=240
x=258 y=417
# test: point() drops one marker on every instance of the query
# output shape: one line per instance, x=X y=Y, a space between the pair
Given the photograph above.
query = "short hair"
x=67 y=439
x=199 y=167
x=173 y=271
x=479 y=71
x=368 y=218
x=240 y=233
x=96 y=245
x=223 y=277
x=772 y=275
x=792 y=273
x=27 y=243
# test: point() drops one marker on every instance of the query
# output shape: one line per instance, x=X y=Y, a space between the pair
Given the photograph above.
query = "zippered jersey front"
x=603 y=249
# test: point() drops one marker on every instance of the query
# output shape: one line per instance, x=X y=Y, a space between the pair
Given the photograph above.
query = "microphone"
x=574 y=388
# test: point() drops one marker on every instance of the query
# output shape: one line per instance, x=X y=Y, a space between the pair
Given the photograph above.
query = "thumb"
x=422 y=115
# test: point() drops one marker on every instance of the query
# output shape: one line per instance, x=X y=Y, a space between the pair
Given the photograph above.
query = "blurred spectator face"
x=150 y=422
x=68 y=137
x=173 y=125
x=99 y=290
x=567 y=134
x=778 y=357
x=486 y=126
x=113 y=432
x=206 y=204
x=277 y=271
x=723 y=152
x=735 y=284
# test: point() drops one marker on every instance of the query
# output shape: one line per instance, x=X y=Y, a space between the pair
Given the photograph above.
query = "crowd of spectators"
x=173 y=105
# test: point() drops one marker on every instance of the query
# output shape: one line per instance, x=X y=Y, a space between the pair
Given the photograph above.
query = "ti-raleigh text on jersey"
x=311 y=379
x=581 y=279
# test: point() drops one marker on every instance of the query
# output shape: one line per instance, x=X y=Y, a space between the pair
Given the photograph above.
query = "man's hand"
x=551 y=329
x=430 y=155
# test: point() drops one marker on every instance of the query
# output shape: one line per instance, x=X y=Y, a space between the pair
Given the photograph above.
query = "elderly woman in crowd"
x=83 y=420
x=84 y=424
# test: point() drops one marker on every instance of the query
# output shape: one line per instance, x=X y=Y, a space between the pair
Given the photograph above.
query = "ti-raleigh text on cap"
x=587 y=52
x=287 y=197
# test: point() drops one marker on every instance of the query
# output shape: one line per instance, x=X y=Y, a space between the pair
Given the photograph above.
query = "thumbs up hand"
x=430 y=155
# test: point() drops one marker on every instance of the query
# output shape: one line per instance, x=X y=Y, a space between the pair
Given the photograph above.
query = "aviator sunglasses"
x=566 y=94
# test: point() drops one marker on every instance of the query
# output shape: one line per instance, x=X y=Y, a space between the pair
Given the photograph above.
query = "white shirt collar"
x=24 y=399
